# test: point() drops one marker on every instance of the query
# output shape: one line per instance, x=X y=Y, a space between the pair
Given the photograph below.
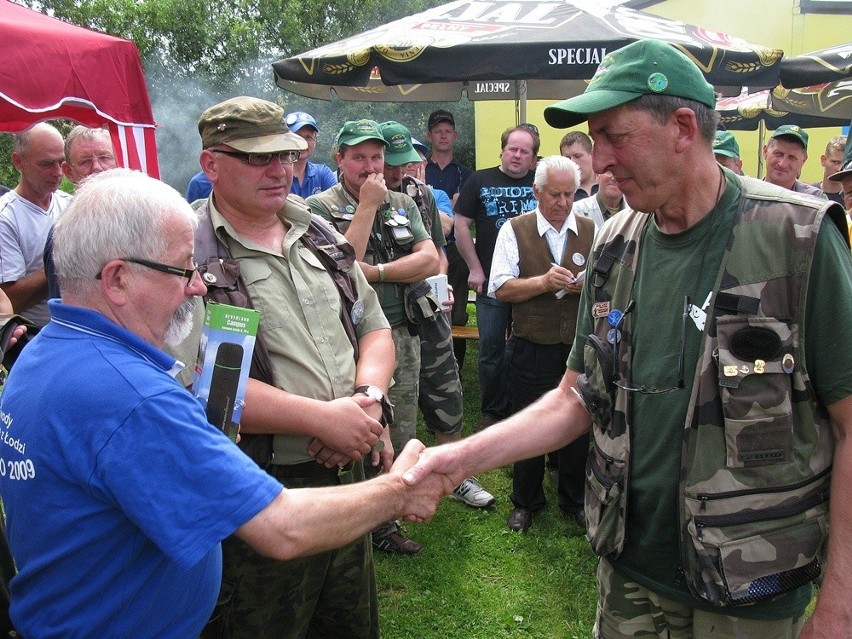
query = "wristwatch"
x=376 y=393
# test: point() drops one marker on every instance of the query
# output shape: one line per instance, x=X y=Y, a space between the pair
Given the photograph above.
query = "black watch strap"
x=376 y=393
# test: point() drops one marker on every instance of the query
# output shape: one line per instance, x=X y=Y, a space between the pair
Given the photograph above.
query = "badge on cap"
x=579 y=259
x=657 y=82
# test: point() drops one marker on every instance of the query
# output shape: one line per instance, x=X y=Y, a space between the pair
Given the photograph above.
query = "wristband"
x=381 y=268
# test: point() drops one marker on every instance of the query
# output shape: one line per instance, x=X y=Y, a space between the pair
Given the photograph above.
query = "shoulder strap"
x=337 y=258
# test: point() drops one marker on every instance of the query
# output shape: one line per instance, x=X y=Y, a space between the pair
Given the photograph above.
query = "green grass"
x=477 y=579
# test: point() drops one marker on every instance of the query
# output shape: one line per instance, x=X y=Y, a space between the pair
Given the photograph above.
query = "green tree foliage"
x=198 y=52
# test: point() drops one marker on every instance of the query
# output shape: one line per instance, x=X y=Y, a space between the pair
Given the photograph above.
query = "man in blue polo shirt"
x=308 y=178
x=117 y=490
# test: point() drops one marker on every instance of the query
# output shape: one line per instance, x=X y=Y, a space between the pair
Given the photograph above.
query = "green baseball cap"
x=357 y=131
x=400 y=149
x=792 y=131
x=250 y=125
x=724 y=143
x=644 y=67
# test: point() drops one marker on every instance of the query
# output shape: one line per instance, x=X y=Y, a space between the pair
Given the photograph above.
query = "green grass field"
x=477 y=579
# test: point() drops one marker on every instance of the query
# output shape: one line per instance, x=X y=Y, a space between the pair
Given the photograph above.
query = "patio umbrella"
x=505 y=49
x=824 y=65
x=774 y=108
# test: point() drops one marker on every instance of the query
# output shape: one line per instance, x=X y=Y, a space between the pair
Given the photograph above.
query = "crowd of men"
x=656 y=328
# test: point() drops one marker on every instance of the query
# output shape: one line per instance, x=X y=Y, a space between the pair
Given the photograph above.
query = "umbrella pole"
x=761 y=136
x=520 y=101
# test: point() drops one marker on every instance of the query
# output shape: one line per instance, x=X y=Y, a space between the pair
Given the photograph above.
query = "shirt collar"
x=544 y=226
x=91 y=322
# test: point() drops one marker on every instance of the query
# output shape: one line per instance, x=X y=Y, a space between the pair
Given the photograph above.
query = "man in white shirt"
x=27 y=214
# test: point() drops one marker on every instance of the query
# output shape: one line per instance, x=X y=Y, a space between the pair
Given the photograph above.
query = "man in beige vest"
x=538 y=261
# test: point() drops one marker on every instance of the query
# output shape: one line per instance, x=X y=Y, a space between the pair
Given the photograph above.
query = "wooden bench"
x=465 y=332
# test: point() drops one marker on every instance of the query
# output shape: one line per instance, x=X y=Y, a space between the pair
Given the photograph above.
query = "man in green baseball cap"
x=394 y=251
x=727 y=151
x=784 y=155
x=691 y=300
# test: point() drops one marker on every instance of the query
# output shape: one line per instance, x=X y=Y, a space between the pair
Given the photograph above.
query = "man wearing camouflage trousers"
x=440 y=394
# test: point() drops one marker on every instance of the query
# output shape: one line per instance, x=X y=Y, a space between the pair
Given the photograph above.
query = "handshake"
x=424 y=479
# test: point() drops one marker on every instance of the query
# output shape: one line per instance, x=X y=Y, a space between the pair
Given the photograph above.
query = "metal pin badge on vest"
x=401 y=217
x=209 y=278
x=357 y=312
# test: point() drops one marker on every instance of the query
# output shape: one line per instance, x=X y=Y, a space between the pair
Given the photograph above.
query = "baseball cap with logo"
x=726 y=144
x=436 y=117
x=400 y=150
x=299 y=119
x=792 y=131
x=356 y=131
x=250 y=125
x=645 y=67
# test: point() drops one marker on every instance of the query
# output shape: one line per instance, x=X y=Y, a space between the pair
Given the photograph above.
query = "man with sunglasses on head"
x=308 y=178
x=315 y=407
x=713 y=366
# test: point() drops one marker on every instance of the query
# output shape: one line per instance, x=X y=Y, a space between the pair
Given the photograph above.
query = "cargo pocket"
x=749 y=556
x=595 y=383
x=605 y=504
x=755 y=367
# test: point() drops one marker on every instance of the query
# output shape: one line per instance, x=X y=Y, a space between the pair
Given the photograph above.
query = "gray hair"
x=81 y=132
x=22 y=139
x=662 y=106
x=555 y=163
x=115 y=214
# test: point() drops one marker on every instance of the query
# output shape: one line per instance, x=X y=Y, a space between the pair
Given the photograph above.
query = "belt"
x=305 y=470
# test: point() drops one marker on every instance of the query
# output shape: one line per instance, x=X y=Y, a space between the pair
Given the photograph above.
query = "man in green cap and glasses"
x=712 y=376
x=394 y=252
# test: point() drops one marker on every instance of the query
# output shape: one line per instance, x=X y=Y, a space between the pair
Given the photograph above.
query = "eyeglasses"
x=261 y=159
x=191 y=274
x=614 y=333
x=106 y=161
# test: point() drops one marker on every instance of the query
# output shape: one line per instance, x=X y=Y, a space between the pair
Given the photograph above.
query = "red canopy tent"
x=52 y=69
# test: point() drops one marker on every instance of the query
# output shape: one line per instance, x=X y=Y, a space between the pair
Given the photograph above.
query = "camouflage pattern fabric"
x=403 y=393
x=753 y=521
x=627 y=609
x=440 y=397
x=324 y=596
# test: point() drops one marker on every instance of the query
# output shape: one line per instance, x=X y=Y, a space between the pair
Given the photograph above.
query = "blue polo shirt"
x=318 y=178
x=117 y=490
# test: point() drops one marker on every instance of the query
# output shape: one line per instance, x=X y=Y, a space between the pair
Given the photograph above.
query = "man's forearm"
x=27 y=291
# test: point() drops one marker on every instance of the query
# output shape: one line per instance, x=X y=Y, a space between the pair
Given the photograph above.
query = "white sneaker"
x=471 y=493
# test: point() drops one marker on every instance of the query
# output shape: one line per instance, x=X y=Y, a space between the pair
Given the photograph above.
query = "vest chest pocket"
x=756 y=360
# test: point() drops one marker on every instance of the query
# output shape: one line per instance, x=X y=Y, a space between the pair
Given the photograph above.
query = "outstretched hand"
x=423 y=496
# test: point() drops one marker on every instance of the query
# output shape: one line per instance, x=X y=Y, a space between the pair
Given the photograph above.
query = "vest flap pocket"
x=752 y=556
x=755 y=366
x=605 y=504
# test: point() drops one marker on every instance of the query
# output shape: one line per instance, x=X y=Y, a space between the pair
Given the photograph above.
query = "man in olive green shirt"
x=318 y=410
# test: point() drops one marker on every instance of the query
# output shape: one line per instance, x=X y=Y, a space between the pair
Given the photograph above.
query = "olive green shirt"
x=300 y=307
x=332 y=204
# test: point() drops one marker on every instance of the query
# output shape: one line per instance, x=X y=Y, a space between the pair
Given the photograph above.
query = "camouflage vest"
x=544 y=319
x=757 y=447
x=423 y=198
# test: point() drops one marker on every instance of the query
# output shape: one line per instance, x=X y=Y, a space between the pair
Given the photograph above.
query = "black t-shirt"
x=489 y=198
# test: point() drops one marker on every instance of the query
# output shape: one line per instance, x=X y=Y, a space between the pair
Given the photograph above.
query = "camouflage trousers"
x=324 y=596
x=403 y=392
x=628 y=609
x=440 y=397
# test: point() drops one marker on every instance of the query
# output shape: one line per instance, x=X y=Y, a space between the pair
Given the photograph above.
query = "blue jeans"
x=493 y=319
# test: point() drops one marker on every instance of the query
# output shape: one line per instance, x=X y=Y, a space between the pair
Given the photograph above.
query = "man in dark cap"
x=714 y=379
x=315 y=407
x=727 y=151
